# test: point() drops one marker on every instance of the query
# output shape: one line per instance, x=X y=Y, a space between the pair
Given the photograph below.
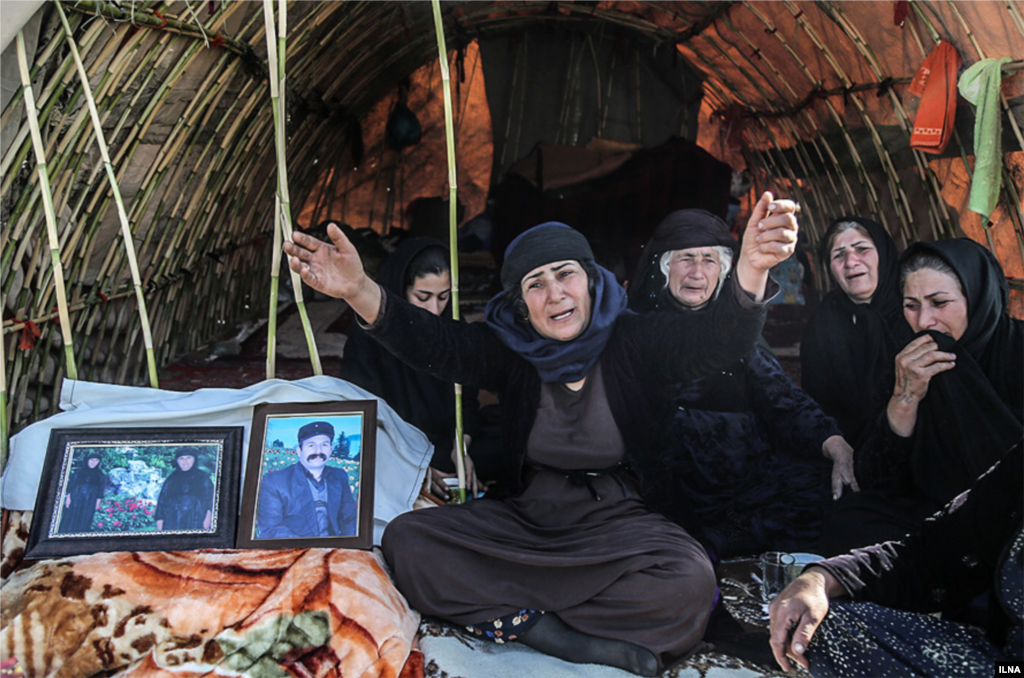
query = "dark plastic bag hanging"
x=403 y=127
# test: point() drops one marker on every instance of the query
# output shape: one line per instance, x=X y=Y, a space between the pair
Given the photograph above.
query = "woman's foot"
x=551 y=636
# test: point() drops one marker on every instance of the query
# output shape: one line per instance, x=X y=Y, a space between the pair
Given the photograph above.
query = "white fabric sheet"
x=403 y=451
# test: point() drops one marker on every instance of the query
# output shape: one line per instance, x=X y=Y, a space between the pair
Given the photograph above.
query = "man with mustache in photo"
x=310 y=498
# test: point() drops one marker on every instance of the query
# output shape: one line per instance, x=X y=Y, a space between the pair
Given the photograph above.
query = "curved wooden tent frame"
x=149 y=166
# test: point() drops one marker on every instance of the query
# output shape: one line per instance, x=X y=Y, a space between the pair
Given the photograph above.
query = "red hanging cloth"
x=935 y=83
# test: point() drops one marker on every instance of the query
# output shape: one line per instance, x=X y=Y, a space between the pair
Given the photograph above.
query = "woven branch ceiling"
x=809 y=97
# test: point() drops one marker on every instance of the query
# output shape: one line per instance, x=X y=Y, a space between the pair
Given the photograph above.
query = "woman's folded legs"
x=622 y=611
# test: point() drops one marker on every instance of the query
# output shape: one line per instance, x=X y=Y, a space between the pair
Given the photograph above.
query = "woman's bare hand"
x=841 y=453
x=335 y=269
x=769 y=239
x=796 y=614
x=916 y=364
x=474 y=485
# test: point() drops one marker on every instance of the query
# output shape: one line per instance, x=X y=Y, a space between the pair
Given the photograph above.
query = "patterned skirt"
x=865 y=639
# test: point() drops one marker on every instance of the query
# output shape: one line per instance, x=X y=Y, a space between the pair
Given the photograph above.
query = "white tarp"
x=13 y=15
x=402 y=456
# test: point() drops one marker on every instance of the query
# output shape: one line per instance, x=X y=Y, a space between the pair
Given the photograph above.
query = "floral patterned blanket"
x=296 y=612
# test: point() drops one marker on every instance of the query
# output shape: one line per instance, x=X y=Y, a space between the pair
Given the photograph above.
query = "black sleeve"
x=360 y=362
x=952 y=558
x=882 y=459
x=466 y=353
x=691 y=345
x=795 y=420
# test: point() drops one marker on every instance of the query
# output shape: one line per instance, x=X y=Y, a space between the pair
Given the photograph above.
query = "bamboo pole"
x=275 y=268
x=453 y=225
x=51 y=218
x=126 y=230
x=148 y=18
x=276 y=61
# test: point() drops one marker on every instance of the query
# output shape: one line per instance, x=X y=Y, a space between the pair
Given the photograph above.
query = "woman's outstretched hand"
x=770 y=238
x=335 y=269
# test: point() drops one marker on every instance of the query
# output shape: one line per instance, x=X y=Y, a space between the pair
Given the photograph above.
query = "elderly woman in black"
x=749 y=446
x=570 y=558
x=958 y=399
x=849 y=344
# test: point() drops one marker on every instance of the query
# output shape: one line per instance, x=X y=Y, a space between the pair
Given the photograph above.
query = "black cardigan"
x=952 y=559
x=644 y=356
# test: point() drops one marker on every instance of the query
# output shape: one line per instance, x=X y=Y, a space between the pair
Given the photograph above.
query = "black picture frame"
x=120 y=505
x=287 y=502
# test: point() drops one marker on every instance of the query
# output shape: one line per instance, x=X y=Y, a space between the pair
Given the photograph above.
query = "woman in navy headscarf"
x=571 y=556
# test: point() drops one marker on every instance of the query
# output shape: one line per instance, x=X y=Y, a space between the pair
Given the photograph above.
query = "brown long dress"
x=609 y=567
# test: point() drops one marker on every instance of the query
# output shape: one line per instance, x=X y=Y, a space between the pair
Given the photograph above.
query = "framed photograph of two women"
x=309 y=476
x=137 y=489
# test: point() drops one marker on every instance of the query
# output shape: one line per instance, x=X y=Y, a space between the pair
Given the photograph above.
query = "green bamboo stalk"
x=51 y=218
x=275 y=267
x=276 y=60
x=147 y=18
x=126 y=231
x=453 y=225
x=19 y=385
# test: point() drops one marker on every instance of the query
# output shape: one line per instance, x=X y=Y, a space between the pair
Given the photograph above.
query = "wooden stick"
x=51 y=218
x=453 y=230
x=126 y=231
x=276 y=61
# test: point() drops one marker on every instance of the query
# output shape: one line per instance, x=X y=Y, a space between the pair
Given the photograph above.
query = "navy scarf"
x=557 y=361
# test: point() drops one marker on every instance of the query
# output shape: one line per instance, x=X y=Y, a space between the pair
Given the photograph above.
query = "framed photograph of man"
x=137 y=489
x=309 y=476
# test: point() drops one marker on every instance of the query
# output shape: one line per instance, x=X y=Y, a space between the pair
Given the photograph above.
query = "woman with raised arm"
x=571 y=557
x=749 y=447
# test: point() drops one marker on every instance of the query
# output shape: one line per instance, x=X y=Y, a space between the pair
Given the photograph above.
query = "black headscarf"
x=848 y=349
x=185 y=496
x=556 y=361
x=422 y=400
x=393 y=271
x=973 y=413
x=680 y=230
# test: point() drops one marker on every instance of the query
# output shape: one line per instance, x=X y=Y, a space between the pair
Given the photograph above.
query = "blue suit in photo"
x=286 y=508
